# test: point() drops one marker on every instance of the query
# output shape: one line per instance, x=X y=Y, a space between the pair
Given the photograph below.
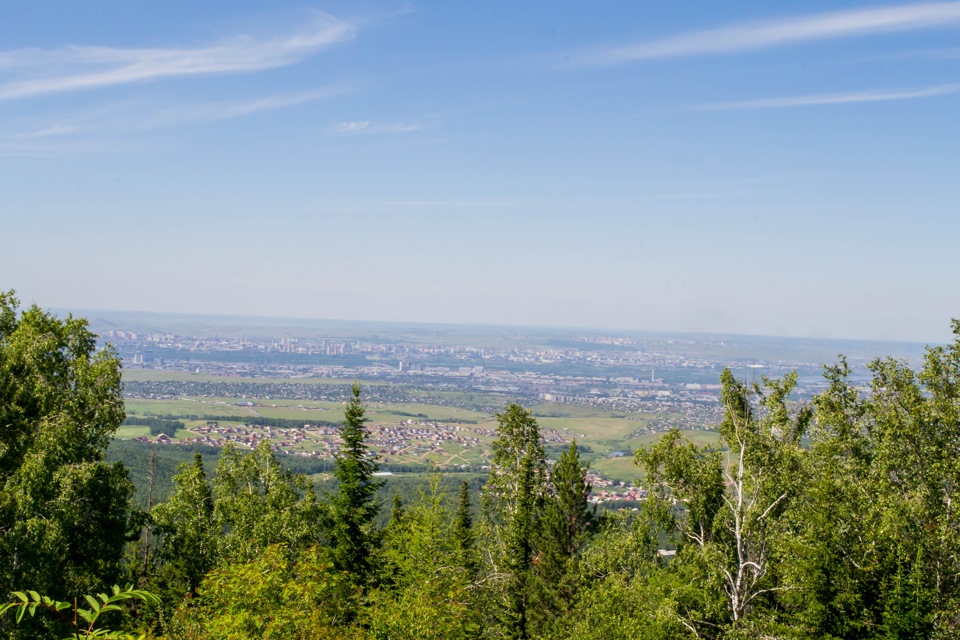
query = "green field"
x=128 y=431
x=305 y=410
x=621 y=469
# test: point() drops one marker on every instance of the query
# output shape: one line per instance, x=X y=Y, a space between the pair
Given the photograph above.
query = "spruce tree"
x=463 y=530
x=396 y=515
x=569 y=516
x=567 y=522
x=520 y=554
x=513 y=500
x=353 y=508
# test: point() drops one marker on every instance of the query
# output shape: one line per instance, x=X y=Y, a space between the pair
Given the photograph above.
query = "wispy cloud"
x=837 y=98
x=135 y=116
x=89 y=67
x=214 y=111
x=364 y=127
x=773 y=33
x=47 y=132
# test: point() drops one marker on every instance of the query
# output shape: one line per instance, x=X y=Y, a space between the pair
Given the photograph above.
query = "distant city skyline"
x=739 y=168
x=308 y=328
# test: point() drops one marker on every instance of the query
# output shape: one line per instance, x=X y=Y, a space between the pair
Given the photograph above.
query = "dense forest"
x=828 y=519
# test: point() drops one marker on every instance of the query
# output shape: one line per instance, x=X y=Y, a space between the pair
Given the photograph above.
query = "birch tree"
x=734 y=497
x=64 y=513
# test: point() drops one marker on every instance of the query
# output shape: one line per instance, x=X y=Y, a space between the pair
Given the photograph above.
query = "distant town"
x=619 y=373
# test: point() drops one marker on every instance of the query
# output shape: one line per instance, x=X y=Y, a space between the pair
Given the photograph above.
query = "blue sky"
x=740 y=167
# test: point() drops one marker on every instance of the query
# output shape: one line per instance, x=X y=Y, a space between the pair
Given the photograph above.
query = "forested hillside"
x=828 y=519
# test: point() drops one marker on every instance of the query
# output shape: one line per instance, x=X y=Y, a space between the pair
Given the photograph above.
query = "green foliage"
x=396 y=515
x=64 y=513
x=735 y=510
x=463 y=535
x=624 y=608
x=428 y=594
x=568 y=520
x=518 y=443
x=258 y=503
x=271 y=597
x=353 y=508
x=512 y=506
x=679 y=470
x=834 y=519
x=138 y=458
x=187 y=534
x=875 y=546
x=437 y=612
x=152 y=467
x=625 y=588
x=830 y=520
x=82 y=622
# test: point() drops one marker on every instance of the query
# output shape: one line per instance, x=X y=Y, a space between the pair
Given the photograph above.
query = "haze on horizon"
x=734 y=168
x=189 y=323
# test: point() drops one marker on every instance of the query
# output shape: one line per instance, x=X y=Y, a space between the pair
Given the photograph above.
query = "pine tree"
x=354 y=540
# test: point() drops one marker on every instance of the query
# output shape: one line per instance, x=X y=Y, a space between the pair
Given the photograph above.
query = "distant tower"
x=652 y=379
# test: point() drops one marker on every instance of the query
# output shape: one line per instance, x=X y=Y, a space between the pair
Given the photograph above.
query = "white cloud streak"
x=366 y=127
x=837 y=98
x=48 y=132
x=90 y=67
x=135 y=117
x=774 y=33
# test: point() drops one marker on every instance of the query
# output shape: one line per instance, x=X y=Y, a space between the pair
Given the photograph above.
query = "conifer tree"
x=463 y=530
x=396 y=515
x=567 y=521
x=569 y=515
x=513 y=498
x=353 y=508
x=520 y=553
